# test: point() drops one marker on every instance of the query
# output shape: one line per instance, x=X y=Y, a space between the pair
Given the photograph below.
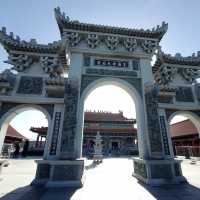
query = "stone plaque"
x=164 y=135
x=30 y=85
x=55 y=134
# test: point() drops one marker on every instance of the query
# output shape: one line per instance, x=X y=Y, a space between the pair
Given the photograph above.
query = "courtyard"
x=111 y=179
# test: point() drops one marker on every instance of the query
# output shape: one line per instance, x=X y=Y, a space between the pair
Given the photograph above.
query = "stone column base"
x=158 y=172
x=59 y=173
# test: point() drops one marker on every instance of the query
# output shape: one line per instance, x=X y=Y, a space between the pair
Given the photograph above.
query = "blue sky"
x=35 y=19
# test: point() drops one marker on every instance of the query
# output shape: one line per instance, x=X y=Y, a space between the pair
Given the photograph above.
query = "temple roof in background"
x=183 y=128
x=102 y=116
x=11 y=132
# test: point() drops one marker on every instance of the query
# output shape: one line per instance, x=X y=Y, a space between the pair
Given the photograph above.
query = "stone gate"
x=57 y=78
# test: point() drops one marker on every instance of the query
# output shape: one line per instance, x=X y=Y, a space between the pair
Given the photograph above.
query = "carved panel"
x=135 y=82
x=107 y=72
x=70 y=120
x=30 y=85
x=151 y=97
x=43 y=171
x=161 y=171
x=67 y=172
x=164 y=135
x=140 y=169
x=184 y=94
x=55 y=134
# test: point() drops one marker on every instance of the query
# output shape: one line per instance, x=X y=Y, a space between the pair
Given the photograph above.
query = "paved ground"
x=110 y=180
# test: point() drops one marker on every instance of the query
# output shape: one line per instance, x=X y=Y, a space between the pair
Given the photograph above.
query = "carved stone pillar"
x=158 y=168
x=67 y=150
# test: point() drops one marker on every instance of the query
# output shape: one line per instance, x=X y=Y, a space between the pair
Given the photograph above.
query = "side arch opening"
x=185 y=133
x=15 y=129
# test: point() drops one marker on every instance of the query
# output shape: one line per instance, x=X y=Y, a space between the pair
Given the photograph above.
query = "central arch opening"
x=111 y=108
x=113 y=118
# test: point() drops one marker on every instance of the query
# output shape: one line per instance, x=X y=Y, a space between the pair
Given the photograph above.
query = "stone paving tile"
x=110 y=180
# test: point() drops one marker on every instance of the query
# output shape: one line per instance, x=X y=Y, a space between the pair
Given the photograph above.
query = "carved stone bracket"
x=165 y=74
x=20 y=62
x=92 y=40
x=51 y=65
x=112 y=42
x=188 y=74
x=7 y=81
x=73 y=38
x=149 y=46
x=130 y=44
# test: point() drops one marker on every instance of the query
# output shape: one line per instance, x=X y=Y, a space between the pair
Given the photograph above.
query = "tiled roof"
x=183 y=128
x=64 y=22
x=41 y=130
x=177 y=59
x=11 y=132
x=110 y=130
x=105 y=116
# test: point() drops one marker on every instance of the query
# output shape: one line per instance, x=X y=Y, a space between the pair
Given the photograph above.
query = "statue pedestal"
x=158 y=172
x=59 y=173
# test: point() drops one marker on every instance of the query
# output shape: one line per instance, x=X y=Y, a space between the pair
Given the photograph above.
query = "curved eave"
x=65 y=23
x=10 y=43
x=166 y=59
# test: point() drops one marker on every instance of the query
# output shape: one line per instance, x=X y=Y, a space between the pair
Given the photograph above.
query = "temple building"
x=118 y=133
x=184 y=133
x=12 y=135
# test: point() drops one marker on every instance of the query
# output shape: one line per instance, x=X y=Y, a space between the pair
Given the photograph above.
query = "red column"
x=37 y=140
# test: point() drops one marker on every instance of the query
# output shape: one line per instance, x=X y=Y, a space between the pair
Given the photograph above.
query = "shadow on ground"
x=183 y=191
x=171 y=192
x=40 y=193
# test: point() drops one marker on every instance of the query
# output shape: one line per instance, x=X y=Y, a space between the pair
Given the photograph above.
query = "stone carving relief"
x=73 y=38
x=112 y=42
x=51 y=65
x=92 y=40
x=130 y=44
x=20 y=62
x=188 y=74
x=30 y=85
x=70 y=120
x=7 y=81
x=151 y=98
x=140 y=168
x=165 y=74
x=149 y=46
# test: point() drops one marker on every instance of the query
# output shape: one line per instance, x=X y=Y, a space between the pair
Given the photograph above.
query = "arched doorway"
x=114 y=118
x=10 y=114
x=134 y=94
x=185 y=133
